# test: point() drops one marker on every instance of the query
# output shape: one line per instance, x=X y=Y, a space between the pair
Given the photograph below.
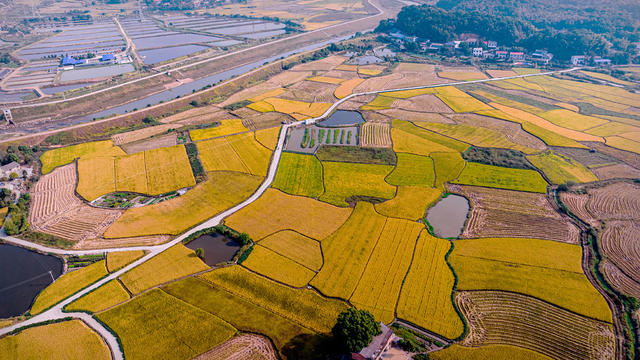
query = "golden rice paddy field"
x=330 y=234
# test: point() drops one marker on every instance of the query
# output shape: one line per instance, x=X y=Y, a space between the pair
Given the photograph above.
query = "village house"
x=516 y=56
x=379 y=344
x=478 y=52
x=501 y=55
x=579 y=60
x=599 y=61
x=541 y=56
x=8 y=169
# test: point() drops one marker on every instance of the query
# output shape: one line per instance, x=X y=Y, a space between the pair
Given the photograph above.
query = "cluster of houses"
x=70 y=62
x=488 y=50
x=12 y=176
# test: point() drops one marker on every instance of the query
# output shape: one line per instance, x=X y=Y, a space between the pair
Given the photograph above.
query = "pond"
x=343 y=117
x=23 y=274
x=448 y=216
x=217 y=248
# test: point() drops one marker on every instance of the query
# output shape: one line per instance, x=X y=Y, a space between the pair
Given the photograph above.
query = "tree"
x=244 y=239
x=200 y=253
x=13 y=175
x=355 y=329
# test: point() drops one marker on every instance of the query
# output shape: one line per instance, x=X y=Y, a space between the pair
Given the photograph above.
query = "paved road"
x=56 y=311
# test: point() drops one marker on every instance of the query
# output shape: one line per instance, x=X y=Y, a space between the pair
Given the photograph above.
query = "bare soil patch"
x=415 y=116
x=326 y=64
x=311 y=91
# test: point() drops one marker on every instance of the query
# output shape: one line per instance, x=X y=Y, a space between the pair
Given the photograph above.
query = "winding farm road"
x=56 y=312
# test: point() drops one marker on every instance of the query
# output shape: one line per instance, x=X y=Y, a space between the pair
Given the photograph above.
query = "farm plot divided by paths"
x=370 y=247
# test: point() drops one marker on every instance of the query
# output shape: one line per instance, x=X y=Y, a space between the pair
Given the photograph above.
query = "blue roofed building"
x=107 y=57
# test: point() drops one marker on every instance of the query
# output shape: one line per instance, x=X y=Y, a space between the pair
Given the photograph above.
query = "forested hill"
x=564 y=27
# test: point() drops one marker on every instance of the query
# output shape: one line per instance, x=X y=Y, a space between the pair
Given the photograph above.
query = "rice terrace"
x=336 y=179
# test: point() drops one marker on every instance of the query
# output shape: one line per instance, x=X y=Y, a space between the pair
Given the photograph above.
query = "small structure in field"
x=379 y=344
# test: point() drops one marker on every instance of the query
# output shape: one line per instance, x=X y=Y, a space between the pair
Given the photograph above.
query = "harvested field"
x=409 y=203
x=67 y=285
x=221 y=191
x=629 y=158
x=346 y=88
x=199 y=114
x=309 y=92
x=136 y=135
x=501 y=73
x=619 y=280
x=375 y=134
x=502 y=178
x=462 y=75
x=156 y=325
x=278 y=267
x=512 y=131
x=422 y=103
x=412 y=170
x=56 y=210
x=618 y=171
x=379 y=82
x=156 y=142
x=390 y=261
x=102 y=243
x=344 y=180
x=173 y=263
x=265 y=120
x=474 y=135
x=346 y=252
x=73 y=340
x=299 y=107
x=275 y=211
x=64 y=155
x=529 y=266
x=268 y=137
x=620 y=243
x=106 y=296
x=455 y=352
x=303 y=306
x=236 y=310
x=506 y=213
x=299 y=174
x=255 y=156
x=425 y=299
x=118 y=260
x=577 y=204
x=497 y=317
x=448 y=166
x=226 y=127
x=414 y=116
x=242 y=347
x=295 y=246
x=616 y=201
x=560 y=169
x=217 y=154
x=326 y=64
x=587 y=158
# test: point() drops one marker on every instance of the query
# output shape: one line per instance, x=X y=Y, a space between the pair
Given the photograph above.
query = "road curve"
x=56 y=312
